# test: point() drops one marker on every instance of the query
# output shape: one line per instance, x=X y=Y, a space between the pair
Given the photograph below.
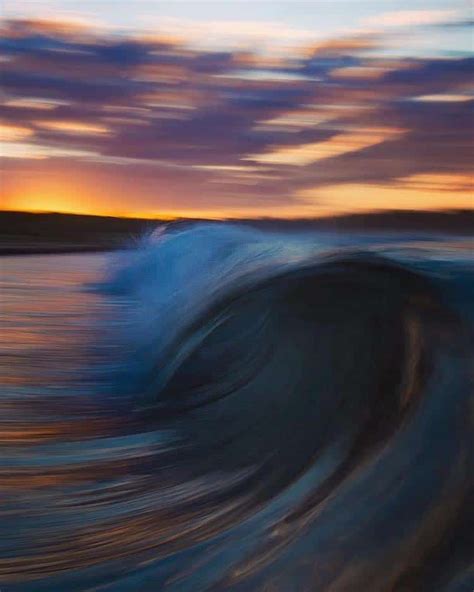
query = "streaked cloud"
x=411 y=18
x=73 y=127
x=13 y=133
x=445 y=98
x=335 y=146
x=270 y=36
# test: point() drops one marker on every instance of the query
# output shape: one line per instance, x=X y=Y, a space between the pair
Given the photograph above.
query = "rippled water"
x=224 y=409
x=47 y=319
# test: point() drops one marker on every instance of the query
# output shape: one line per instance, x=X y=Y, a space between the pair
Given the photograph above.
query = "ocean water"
x=226 y=409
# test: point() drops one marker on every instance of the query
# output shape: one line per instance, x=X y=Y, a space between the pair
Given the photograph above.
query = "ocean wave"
x=288 y=413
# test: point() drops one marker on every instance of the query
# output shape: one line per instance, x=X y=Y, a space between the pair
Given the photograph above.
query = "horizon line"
x=170 y=218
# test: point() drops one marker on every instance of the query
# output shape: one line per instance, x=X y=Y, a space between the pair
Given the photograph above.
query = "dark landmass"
x=24 y=233
x=458 y=222
x=31 y=233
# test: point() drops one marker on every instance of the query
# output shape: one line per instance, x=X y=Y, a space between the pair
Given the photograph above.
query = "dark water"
x=229 y=410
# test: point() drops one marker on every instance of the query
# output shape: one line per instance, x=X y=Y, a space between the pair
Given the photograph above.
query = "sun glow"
x=418 y=192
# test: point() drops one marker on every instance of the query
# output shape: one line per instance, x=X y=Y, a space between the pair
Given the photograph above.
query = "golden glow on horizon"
x=61 y=206
x=418 y=192
x=329 y=201
x=61 y=194
x=50 y=197
x=56 y=190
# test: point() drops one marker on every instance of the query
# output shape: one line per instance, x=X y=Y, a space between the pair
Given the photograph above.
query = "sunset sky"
x=236 y=108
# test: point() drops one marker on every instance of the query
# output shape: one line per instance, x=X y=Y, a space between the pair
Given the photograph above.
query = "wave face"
x=278 y=413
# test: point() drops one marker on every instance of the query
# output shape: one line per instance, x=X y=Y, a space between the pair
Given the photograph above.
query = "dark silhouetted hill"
x=23 y=232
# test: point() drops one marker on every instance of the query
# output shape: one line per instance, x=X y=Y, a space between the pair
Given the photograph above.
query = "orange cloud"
x=444 y=98
x=12 y=133
x=350 y=44
x=419 y=192
x=335 y=146
x=59 y=27
x=73 y=127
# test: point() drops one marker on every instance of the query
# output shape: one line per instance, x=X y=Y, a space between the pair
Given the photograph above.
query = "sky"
x=236 y=108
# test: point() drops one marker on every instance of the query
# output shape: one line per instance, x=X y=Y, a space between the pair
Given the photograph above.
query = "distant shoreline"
x=24 y=233
x=13 y=251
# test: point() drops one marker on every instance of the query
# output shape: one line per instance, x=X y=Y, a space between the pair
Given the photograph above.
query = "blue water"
x=224 y=409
